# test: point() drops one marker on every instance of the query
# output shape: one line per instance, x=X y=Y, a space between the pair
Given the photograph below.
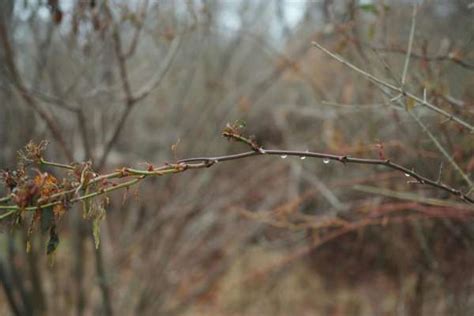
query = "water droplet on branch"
x=283 y=156
x=304 y=157
x=326 y=161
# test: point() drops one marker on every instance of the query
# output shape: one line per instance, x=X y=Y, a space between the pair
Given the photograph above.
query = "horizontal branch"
x=182 y=165
x=340 y=158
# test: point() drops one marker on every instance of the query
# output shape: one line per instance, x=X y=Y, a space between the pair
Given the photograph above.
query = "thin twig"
x=406 y=196
x=22 y=90
x=205 y=162
x=440 y=171
x=442 y=149
x=410 y=45
x=56 y=164
x=450 y=57
x=138 y=29
x=434 y=140
x=400 y=90
x=160 y=74
x=8 y=213
x=132 y=99
x=332 y=235
x=127 y=90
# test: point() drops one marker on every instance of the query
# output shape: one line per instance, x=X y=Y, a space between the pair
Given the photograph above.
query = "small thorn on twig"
x=449 y=118
x=181 y=166
x=343 y=159
x=209 y=163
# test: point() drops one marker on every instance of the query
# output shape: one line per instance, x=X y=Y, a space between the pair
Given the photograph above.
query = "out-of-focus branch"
x=9 y=291
x=418 y=121
x=128 y=102
x=23 y=91
x=75 y=109
x=452 y=57
x=103 y=282
x=442 y=150
x=130 y=99
x=336 y=233
x=400 y=90
x=160 y=74
x=397 y=99
x=410 y=46
x=138 y=29
x=434 y=140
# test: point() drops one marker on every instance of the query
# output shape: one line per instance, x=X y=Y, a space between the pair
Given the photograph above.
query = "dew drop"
x=304 y=157
x=326 y=161
x=216 y=161
x=283 y=156
x=407 y=175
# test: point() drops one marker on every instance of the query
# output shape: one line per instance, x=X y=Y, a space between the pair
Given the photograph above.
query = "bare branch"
x=385 y=84
x=410 y=45
x=450 y=57
x=130 y=99
x=22 y=90
x=182 y=165
x=442 y=150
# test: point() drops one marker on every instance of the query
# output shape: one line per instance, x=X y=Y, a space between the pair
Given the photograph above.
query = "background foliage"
x=145 y=82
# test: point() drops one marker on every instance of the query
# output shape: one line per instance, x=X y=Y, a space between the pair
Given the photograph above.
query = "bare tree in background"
x=366 y=106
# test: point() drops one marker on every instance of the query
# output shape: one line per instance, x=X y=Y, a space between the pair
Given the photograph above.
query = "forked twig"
x=392 y=87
